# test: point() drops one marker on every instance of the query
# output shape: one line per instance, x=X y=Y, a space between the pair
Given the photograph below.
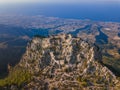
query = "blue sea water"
x=92 y=11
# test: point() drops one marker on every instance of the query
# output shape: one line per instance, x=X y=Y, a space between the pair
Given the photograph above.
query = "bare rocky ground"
x=63 y=62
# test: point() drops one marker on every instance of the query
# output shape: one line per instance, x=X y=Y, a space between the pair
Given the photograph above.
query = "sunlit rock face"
x=63 y=62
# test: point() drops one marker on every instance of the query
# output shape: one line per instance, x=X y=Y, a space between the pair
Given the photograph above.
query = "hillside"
x=60 y=62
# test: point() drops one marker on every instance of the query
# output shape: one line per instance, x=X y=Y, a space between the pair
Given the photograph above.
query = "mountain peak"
x=63 y=62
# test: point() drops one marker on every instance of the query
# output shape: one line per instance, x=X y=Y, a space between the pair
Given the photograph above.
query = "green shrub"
x=17 y=77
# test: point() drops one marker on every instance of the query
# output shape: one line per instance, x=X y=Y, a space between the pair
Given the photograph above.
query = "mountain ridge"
x=61 y=57
x=62 y=62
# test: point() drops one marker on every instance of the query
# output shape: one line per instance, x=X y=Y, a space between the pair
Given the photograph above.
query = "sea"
x=92 y=11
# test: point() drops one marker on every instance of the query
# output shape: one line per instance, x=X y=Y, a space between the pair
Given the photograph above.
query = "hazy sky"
x=56 y=1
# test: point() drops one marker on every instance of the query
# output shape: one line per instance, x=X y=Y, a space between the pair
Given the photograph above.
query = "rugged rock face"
x=65 y=63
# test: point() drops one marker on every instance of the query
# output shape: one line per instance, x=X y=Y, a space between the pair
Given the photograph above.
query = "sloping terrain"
x=61 y=62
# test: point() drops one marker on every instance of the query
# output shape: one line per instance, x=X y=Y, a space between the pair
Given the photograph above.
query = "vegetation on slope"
x=17 y=76
x=113 y=64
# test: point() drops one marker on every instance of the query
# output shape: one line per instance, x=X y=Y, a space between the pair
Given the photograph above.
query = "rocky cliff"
x=65 y=63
